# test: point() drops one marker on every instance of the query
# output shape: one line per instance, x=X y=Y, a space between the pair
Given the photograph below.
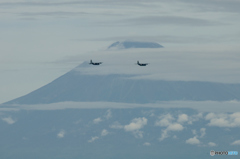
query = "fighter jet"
x=95 y=63
x=142 y=64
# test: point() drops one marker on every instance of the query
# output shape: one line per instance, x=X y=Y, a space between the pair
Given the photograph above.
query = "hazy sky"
x=41 y=40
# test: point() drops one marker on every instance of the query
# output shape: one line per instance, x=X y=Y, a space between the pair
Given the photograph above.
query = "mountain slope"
x=74 y=86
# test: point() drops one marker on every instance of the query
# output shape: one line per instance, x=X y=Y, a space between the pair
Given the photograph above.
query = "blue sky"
x=41 y=40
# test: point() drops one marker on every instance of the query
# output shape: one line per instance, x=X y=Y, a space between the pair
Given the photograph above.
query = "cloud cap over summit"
x=134 y=44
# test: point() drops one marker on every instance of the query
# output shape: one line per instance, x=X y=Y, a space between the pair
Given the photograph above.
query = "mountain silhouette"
x=134 y=44
x=78 y=87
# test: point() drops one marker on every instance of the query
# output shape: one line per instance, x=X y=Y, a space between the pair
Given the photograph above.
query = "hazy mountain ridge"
x=78 y=87
x=134 y=44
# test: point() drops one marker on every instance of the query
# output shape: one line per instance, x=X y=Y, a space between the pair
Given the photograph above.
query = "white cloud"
x=195 y=117
x=9 y=120
x=224 y=120
x=97 y=120
x=175 y=137
x=193 y=141
x=182 y=118
x=148 y=113
x=210 y=116
x=237 y=142
x=147 y=144
x=138 y=134
x=202 y=106
x=136 y=124
x=152 y=115
x=8 y=109
x=203 y=132
x=61 y=134
x=78 y=121
x=104 y=132
x=220 y=122
x=175 y=127
x=93 y=139
x=194 y=132
x=171 y=127
x=108 y=114
x=164 y=135
x=116 y=125
x=212 y=144
x=134 y=127
x=165 y=120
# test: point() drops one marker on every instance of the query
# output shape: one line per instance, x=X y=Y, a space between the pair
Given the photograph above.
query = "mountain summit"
x=78 y=87
x=134 y=44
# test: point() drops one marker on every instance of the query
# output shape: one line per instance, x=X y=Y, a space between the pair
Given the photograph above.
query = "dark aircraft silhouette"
x=95 y=63
x=142 y=64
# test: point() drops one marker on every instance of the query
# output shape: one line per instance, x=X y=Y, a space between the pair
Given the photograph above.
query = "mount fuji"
x=79 y=87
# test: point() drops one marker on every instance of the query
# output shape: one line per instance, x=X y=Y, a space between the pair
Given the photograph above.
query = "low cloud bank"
x=224 y=120
x=202 y=106
x=9 y=120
